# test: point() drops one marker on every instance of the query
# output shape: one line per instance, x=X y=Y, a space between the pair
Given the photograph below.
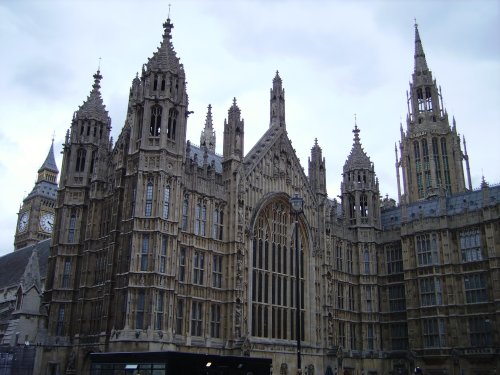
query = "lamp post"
x=297 y=204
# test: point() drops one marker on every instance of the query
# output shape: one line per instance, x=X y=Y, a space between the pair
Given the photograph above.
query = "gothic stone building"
x=161 y=245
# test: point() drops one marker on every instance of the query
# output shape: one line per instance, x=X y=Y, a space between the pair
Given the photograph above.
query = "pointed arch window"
x=363 y=206
x=149 y=199
x=80 y=160
x=72 y=228
x=352 y=210
x=155 y=125
x=145 y=252
x=172 y=123
x=273 y=275
x=60 y=321
x=139 y=118
x=420 y=100
x=428 y=99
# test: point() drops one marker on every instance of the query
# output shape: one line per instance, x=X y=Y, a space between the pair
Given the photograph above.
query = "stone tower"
x=36 y=216
x=431 y=156
x=360 y=199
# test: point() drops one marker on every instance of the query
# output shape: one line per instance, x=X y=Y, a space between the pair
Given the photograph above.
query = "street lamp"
x=297 y=204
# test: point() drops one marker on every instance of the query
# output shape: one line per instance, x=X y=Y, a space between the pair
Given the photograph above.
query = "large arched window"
x=80 y=160
x=273 y=273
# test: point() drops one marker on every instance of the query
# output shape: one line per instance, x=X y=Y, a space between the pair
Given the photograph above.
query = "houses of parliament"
x=162 y=246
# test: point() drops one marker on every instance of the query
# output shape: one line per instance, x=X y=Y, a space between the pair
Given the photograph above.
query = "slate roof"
x=12 y=265
x=456 y=204
x=50 y=161
x=93 y=108
x=44 y=189
x=357 y=158
x=211 y=156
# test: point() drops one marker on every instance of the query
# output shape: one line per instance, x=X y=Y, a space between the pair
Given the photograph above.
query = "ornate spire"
x=357 y=158
x=420 y=62
x=31 y=275
x=234 y=111
x=207 y=138
x=93 y=107
x=277 y=102
x=165 y=57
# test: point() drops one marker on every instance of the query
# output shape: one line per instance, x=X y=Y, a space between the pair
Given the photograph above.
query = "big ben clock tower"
x=36 y=216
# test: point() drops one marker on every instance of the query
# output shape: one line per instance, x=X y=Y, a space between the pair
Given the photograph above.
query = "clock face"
x=23 y=222
x=46 y=222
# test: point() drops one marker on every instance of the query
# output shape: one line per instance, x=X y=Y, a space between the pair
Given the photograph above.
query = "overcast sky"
x=336 y=59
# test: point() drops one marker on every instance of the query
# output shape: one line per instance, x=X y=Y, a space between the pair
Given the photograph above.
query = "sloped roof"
x=165 y=58
x=211 y=156
x=50 y=162
x=12 y=265
x=94 y=108
x=357 y=158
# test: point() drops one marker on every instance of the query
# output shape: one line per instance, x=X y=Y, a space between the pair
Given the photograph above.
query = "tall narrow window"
x=342 y=334
x=338 y=256
x=418 y=166
x=437 y=163
x=363 y=207
x=160 y=297
x=217 y=271
x=217 y=223
x=155 y=125
x=132 y=202
x=145 y=252
x=352 y=209
x=349 y=258
x=185 y=208
x=200 y=218
x=163 y=254
x=370 y=337
x=420 y=100
x=428 y=99
x=92 y=161
x=166 y=202
x=179 y=317
x=182 y=264
x=369 y=300
x=66 y=273
x=430 y=291
x=366 y=260
x=350 y=297
x=446 y=166
x=71 y=229
x=139 y=314
x=340 y=296
x=394 y=258
x=149 y=200
x=198 y=267
x=172 y=123
x=60 y=321
x=427 y=166
x=80 y=160
x=215 y=319
x=196 y=318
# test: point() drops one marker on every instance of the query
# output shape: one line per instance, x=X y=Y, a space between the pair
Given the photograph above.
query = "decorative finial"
x=355 y=121
x=99 y=65
x=169 y=11
x=415 y=21
x=234 y=101
x=53 y=136
x=356 y=133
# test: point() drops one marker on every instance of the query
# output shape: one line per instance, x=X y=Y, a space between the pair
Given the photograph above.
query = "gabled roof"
x=13 y=265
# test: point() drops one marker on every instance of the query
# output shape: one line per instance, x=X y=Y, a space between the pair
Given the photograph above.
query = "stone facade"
x=163 y=245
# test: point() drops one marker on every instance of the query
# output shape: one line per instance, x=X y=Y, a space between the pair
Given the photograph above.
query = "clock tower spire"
x=36 y=216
